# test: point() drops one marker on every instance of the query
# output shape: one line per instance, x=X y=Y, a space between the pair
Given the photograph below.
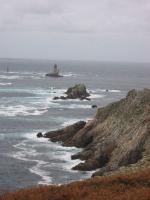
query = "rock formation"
x=65 y=134
x=77 y=92
x=119 y=135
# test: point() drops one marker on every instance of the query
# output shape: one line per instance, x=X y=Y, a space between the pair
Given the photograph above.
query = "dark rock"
x=88 y=99
x=65 y=134
x=55 y=98
x=39 y=135
x=82 y=98
x=87 y=166
x=76 y=156
x=85 y=98
x=76 y=92
x=94 y=106
x=63 y=97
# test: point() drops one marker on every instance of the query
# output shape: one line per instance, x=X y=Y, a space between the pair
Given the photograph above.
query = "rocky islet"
x=78 y=91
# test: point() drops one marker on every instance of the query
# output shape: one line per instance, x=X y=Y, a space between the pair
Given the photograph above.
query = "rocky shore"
x=118 y=136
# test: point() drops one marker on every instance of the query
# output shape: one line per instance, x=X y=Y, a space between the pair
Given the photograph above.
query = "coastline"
x=132 y=176
x=116 y=137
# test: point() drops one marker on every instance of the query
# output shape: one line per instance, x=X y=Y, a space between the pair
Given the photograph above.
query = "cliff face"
x=119 y=135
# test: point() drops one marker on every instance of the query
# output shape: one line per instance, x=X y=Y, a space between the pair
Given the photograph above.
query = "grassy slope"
x=132 y=186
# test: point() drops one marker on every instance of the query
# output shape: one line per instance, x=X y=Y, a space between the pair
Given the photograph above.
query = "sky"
x=106 y=30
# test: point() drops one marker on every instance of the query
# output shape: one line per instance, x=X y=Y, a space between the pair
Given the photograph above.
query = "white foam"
x=46 y=179
x=28 y=153
x=10 y=77
x=72 y=121
x=22 y=75
x=70 y=74
x=75 y=106
x=69 y=122
x=3 y=84
x=33 y=137
x=96 y=96
x=115 y=91
x=27 y=150
x=20 y=110
x=105 y=90
x=64 y=154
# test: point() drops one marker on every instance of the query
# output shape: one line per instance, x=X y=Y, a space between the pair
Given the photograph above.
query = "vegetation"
x=132 y=186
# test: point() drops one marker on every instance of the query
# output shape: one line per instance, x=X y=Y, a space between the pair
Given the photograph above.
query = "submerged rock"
x=119 y=135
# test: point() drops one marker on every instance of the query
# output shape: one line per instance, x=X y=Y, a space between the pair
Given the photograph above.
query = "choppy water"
x=27 y=107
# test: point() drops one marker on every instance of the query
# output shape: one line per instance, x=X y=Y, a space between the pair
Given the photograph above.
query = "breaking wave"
x=20 y=110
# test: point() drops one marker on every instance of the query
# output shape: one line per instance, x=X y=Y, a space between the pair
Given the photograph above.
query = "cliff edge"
x=119 y=135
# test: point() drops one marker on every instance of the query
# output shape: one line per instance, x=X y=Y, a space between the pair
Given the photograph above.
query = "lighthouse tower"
x=56 y=71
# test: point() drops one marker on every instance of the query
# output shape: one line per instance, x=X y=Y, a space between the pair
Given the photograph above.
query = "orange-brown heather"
x=131 y=186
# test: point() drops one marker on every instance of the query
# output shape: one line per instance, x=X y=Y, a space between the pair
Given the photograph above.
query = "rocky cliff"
x=119 y=135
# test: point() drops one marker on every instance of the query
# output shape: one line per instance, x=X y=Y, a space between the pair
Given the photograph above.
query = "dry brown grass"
x=133 y=186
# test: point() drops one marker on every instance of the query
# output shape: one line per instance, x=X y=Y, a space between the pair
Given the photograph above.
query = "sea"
x=27 y=107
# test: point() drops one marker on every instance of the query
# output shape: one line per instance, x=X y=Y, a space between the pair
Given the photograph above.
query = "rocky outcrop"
x=65 y=134
x=77 y=92
x=119 y=135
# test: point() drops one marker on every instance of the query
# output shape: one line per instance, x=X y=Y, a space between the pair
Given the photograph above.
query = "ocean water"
x=27 y=107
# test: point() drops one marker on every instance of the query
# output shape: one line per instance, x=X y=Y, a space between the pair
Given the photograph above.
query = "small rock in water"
x=88 y=99
x=55 y=98
x=94 y=106
x=39 y=135
x=63 y=98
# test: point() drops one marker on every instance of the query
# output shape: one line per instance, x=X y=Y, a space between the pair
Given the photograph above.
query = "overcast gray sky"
x=75 y=29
